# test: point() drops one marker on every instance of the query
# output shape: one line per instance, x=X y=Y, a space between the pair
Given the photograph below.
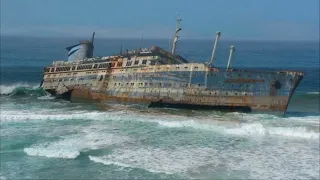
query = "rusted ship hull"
x=240 y=103
x=263 y=94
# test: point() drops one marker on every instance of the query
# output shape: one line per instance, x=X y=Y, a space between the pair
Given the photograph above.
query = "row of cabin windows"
x=181 y=85
x=62 y=69
x=46 y=69
x=105 y=65
x=239 y=75
x=84 y=67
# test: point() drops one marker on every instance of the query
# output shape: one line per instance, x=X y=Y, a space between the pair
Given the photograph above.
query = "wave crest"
x=21 y=89
x=71 y=146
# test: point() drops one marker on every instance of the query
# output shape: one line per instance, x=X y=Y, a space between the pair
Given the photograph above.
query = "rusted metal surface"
x=150 y=78
x=243 y=80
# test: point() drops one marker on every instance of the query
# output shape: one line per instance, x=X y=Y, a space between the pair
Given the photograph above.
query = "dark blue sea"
x=47 y=138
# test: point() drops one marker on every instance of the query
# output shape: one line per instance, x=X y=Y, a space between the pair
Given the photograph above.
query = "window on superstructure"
x=144 y=61
x=136 y=62
x=95 y=66
x=152 y=62
x=112 y=64
x=73 y=68
x=119 y=64
x=129 y=63
x=102 y=65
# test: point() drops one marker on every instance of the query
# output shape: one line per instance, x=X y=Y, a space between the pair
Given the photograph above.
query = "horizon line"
x=158 y=38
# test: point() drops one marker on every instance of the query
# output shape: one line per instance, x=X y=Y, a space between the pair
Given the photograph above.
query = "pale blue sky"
x=236 y=19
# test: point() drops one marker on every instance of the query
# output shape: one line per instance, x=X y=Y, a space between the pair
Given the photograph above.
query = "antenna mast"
x=176 y=36
x=92 y=38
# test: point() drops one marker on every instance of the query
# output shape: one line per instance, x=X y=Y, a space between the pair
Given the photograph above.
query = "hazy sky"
x=236 y=19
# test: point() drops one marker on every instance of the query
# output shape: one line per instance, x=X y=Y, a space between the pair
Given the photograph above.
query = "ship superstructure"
x=156 y=77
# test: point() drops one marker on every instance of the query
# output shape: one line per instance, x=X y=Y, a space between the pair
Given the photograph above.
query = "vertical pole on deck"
x=232 y=49
x=214 y=48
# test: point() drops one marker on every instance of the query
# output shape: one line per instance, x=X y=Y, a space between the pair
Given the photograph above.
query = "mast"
x=92 y=38
x=214 y=47
x=232 y=49
x=176 y=35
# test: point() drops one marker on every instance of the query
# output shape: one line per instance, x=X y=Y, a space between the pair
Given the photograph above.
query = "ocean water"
x=43 y=137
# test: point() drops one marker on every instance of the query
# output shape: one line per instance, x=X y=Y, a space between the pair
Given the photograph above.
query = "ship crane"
x=176 y=35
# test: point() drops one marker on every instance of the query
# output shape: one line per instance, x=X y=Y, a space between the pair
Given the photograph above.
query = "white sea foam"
x=2 y=177
x=313 y=93
x=178 y=160
x=8 y=89
x=46 y=97
x=245 y=129
x=259 y=129
x=19 y=116
x=71 y=146
x=255 y=161
x=253 y=125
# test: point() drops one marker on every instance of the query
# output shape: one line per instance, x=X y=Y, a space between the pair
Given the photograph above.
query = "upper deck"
x=136 y=58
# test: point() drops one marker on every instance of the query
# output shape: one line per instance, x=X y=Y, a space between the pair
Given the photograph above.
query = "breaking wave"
x=13 y=116
x=255 y=129
x=254 y=125
x=70 y=146
x=179 y=160
x=22 y=89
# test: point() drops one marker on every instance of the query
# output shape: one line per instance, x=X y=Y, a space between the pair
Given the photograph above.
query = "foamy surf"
x=312 y=92
x=258 y=129
x=71 y=146
x=46 y=97
x=178 y=160
x=20 y=116
x=245 y=129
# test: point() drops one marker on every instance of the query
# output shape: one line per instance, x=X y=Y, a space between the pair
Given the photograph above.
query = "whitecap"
x=8 y=89
x=71 y=146
x=46 y=97
x=312 y=92
x=178 y=160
